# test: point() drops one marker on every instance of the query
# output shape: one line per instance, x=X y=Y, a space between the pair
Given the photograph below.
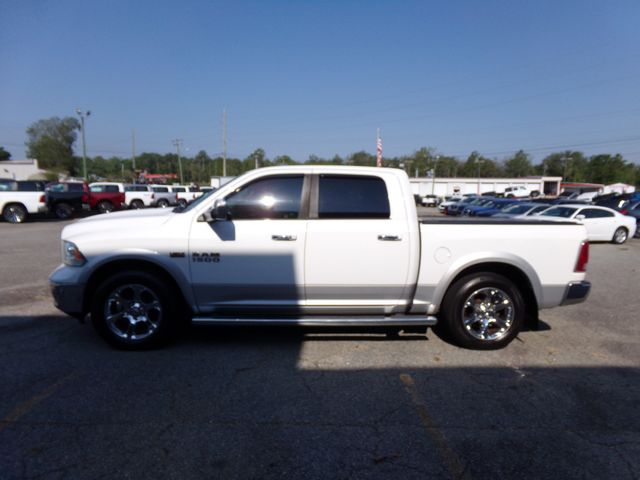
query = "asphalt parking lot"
x=560 y=402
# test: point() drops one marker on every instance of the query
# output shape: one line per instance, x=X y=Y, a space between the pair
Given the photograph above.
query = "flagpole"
x=378 y=149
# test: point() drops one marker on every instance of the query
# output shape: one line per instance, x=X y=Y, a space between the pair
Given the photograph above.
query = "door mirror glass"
x=580 y=217
x=220 y=211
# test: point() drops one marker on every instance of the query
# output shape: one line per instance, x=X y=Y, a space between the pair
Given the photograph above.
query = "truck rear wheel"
x=162 y=203
x=482 y=311
x=137 y=204
x=105 y=207
x=134 y=311
x=14 y=213
x=63 y=211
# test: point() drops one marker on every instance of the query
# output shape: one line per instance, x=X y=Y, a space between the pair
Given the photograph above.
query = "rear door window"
x=351 y=196
x=595 y=213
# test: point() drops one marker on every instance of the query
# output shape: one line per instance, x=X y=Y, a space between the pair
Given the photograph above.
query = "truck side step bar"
x=324 y=321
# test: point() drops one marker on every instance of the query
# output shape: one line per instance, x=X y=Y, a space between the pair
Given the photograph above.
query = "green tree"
x=552 y=165
x=51 y=140
x=518 y=166
x=447 y=166
x=256 y=159
x=478 y=166
x=609 y=169
x=421 y=161
x=284 y=160
x=361 y=158
x=199 y=167
x=4 y=154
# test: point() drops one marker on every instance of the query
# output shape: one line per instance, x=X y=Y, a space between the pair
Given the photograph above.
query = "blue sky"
x=301 y=78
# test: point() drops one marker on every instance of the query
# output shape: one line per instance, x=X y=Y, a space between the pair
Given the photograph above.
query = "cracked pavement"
x=561 y=402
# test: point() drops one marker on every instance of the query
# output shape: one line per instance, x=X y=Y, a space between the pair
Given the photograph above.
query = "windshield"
x=563 y=212
x=193 y=204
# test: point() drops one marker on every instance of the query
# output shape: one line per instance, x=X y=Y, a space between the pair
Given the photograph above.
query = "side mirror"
x=219 y=213
x=580 y=217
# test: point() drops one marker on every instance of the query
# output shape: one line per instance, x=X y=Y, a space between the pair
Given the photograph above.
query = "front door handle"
x=284 y=238
x=389 y=238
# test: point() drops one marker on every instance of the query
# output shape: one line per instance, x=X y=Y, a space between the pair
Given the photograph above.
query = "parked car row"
x=19 y=199
x=602 y=223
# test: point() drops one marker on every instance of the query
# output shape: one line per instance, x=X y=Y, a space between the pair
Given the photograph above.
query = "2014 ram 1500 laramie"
x=315 y=245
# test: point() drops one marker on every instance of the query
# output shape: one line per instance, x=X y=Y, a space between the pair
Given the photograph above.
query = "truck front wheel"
x=482 y=311
x=134 y=311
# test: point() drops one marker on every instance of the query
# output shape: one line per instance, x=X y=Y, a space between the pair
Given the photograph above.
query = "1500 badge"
x=205 y=257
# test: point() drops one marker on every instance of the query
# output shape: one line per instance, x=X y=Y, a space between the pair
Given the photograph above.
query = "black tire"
x=470 y=290
x=137 y=294
x=15 y=213
x=137 y=204
x=620 y=236
x=105 y=206
x=182 y=202
x=162 y=203
x=63 y=211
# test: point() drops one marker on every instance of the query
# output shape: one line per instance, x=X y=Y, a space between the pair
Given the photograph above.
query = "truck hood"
x=143 y=219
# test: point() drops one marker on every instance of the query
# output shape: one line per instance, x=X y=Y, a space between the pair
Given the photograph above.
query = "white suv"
x=517 y=192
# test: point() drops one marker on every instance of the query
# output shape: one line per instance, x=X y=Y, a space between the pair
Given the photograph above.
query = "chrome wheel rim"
x=621 y=236
x=133 y=312
x=14 y=214
x=488 y=314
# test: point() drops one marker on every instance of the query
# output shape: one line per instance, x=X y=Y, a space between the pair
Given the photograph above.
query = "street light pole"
x=82 y=115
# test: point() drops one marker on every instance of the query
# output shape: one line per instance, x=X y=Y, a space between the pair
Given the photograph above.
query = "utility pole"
x=133 y=149
x=82 y=115
x=478 y=161
x=433 y=174
x=224 y=142
x=178 y=143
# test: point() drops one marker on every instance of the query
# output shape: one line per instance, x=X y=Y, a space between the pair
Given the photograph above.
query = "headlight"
x=71 y=255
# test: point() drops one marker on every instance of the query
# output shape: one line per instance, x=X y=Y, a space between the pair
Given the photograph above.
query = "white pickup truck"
x=315 y=245
x=18 y=199
x=139 y=196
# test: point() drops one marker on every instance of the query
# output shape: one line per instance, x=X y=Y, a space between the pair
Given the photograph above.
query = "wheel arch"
x=19 y=204
x=103 y=271
x=516 y=273
x=13 y=202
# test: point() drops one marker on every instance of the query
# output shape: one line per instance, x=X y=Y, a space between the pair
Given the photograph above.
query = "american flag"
x=379 y=150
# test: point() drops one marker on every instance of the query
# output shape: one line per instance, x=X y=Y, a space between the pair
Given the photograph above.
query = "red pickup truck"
x=106 y=197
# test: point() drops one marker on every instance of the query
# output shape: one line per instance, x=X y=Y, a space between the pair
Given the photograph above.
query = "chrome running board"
x=323 y=321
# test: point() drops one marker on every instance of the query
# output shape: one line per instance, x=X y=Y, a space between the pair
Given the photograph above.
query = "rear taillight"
x=583 y=258
x=624 y=212
x=153 y=195
x=42 y=199
x=85 y=198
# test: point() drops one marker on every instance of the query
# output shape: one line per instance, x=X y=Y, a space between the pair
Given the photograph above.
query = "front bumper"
x=68 y=294
x=576 y=292
x=69 y=299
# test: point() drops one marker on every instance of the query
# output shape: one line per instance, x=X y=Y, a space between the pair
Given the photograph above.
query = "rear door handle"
x=284 y=238
x=389 y=238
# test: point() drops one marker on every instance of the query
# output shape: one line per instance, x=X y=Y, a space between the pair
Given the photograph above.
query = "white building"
x=450 y=186
x=21 y=170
